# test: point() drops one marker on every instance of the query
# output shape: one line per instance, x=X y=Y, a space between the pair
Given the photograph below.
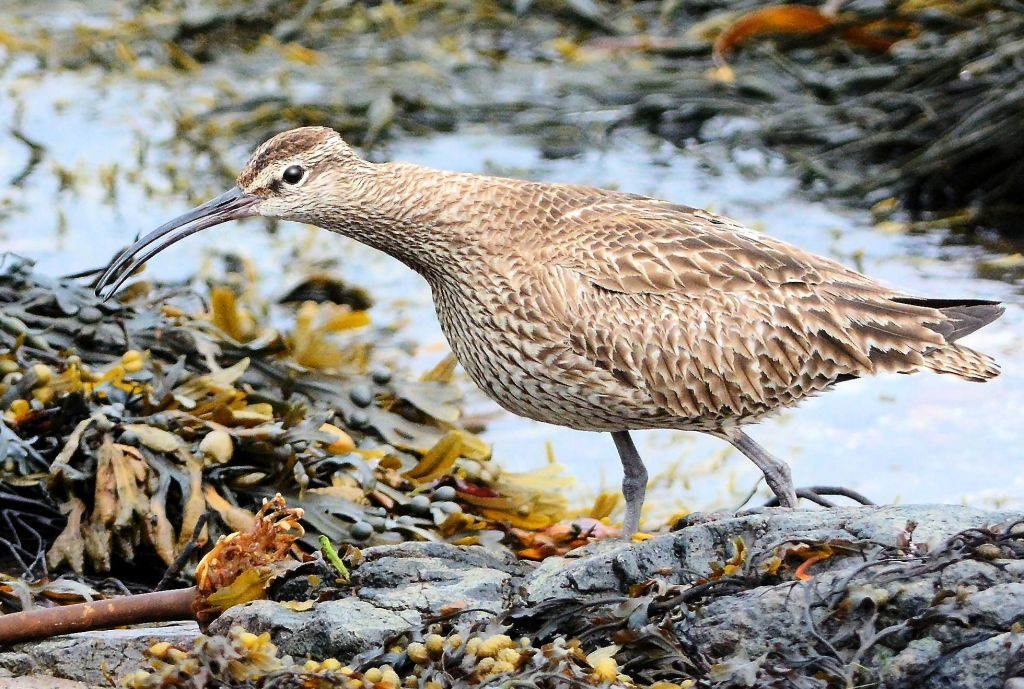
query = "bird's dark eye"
x=293 y=174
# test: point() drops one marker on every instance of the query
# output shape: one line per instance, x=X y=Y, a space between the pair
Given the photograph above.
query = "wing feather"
x=713 y=318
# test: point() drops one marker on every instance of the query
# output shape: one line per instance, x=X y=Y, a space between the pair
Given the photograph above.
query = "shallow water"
x=923 y=438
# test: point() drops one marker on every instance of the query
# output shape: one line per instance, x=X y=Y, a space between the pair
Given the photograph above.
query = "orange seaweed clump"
x=241 y=565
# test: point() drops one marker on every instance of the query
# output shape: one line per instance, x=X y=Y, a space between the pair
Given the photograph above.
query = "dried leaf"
x=248 y=586
x=605 y=504
x=438 y=460
x=298 y=605
x=226 y=315
x=443 y=372
x=154 y=438
x=195 y=503
x=780 y=19
x=236 y=518
x=69 y=546
x=71 y=446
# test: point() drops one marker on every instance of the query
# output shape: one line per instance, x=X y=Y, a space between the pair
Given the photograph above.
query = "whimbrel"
x=600 y=310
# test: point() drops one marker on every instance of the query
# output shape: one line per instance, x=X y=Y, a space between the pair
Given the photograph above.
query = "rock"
x=93 y=657
x=984 y=665
x=41 y=682
x=896 y=597
x=678 y=556
x=337 y=628
x=395 y=588
x=429 y=577
x=890 y=598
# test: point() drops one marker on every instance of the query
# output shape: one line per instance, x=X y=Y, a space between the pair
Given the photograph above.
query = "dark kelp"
x=125 y=422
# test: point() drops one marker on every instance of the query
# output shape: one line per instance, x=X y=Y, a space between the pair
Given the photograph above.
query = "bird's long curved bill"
x=230 y=205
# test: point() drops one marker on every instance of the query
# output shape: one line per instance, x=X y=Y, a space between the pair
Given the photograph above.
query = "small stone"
x=90 y=314
x=361 y=531
x=358 y=419
x=218 y=446
x=445 y=493
x=419 y=504
x=449 y=507
x=361 y=395
x=381 y=376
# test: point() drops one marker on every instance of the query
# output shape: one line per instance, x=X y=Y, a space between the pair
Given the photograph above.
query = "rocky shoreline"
x=895 y=596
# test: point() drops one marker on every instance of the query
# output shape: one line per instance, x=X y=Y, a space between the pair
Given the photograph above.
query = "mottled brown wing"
x=718 y=321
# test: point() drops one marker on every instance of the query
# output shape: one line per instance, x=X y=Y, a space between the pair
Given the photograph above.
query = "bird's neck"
x=428 y=219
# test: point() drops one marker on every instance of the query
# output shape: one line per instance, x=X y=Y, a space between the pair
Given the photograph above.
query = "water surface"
x=923 y=438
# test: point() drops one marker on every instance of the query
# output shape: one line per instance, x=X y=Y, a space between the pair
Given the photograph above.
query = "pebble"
x=361 y=531
x=90 y=314
x=419 y=504
x=361 y=395
x=358 y=419
x=444 y=493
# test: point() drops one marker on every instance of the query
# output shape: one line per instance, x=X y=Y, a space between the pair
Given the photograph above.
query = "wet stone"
x=953 y=618
x=444 y=493
x=93 y=657
x=361 y=395
x=361 y=531
x=395 y=588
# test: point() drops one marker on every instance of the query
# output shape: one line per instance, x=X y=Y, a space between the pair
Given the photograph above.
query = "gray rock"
x=41 y=682
x=427 y=577
x=333 y=628
x=983 y=665
x=893 y=605
x=394 y=589
x=904 y=669
x=92 y=657
x=907 y=618
x=689 y=553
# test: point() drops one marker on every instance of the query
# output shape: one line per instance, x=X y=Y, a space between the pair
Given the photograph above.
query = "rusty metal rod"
x=159 y=606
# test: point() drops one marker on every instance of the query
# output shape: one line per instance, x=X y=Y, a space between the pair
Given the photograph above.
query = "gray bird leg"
x=634 y=481
x=776 y=472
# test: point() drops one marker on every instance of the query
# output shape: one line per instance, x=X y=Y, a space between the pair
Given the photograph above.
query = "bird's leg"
x=776 y=472
x=634 y=481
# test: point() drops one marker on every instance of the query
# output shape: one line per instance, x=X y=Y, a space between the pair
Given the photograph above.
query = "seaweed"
x=126 y=423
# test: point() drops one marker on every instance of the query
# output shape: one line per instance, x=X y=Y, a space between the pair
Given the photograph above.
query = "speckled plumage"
x=606 y=311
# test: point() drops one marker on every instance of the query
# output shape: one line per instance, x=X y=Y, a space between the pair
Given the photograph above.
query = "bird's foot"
x=816 y=494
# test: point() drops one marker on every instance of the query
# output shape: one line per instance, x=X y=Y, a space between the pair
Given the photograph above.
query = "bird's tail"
x=962 y=318
x=963 y=362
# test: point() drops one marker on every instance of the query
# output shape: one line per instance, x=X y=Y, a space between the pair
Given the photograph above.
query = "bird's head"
x=289 y=177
